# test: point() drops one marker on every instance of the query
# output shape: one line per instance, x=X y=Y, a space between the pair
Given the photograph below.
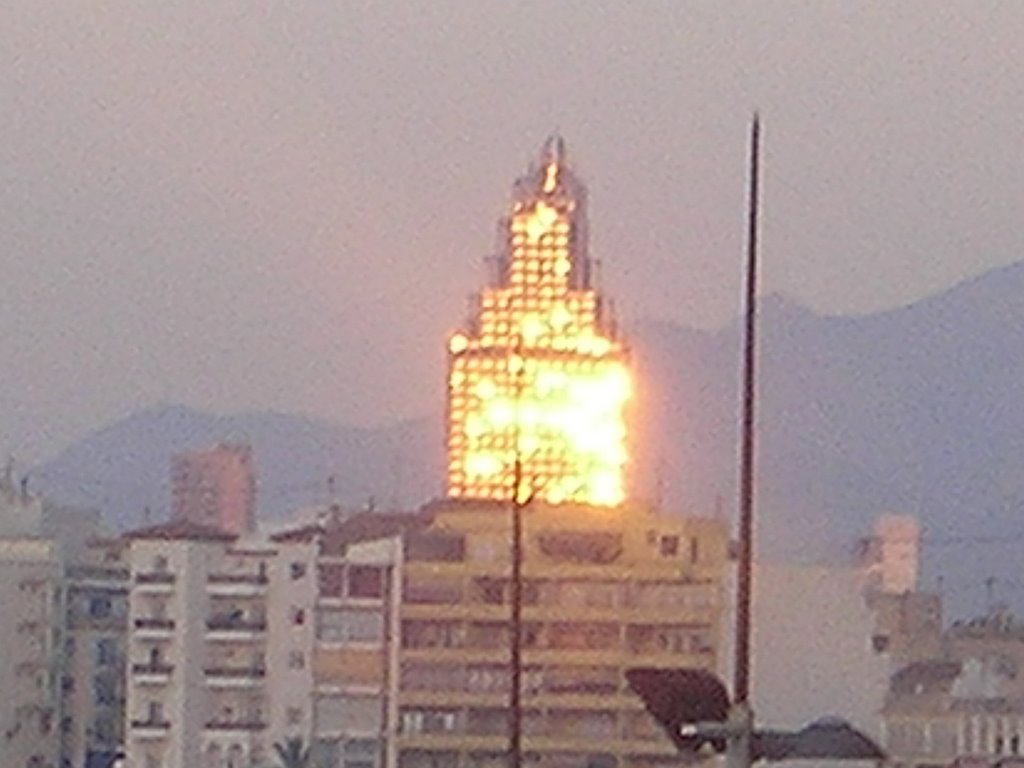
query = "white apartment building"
x=196 y=649
x=237 y=644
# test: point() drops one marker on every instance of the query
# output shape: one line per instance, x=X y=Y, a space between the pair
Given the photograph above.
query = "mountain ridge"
x=912 y=409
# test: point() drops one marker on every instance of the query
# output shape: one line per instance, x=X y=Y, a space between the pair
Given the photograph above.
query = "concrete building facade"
x=605 y=590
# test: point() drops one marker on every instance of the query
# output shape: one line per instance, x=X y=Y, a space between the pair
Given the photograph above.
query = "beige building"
x=336 y=669
x=605 y=590
x=967 y=702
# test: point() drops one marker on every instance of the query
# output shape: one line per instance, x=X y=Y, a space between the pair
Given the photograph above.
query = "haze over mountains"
x=913 y=410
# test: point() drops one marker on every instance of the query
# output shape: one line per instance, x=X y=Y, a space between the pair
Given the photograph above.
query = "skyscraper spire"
x=552 y=159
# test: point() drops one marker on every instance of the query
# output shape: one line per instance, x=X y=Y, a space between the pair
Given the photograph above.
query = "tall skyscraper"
x=537 y=381
x=215 y=487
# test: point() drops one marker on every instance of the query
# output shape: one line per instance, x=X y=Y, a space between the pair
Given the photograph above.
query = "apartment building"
x=93 y=660
x=605 y=590
x=31 y=636
x=196 y=650
x=966 y=702
x=38 y=544
x=334 y=647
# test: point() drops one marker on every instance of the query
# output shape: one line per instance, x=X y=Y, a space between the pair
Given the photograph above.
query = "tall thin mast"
x=741 y=682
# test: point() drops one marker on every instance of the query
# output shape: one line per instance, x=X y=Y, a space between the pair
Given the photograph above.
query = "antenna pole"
x=741 y=715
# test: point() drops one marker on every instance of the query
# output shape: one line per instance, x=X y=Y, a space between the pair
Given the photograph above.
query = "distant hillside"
x=125 y=469
x=913 y=410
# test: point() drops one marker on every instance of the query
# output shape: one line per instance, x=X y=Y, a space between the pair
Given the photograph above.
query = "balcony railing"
x=236 y=725
x=154 y=577
x=236 y=673
x=154 y=623
x=238 y=578
x=235 y=624
x=152 y=668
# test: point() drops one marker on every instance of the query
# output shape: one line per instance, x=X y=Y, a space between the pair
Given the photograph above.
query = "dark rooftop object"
x=830 y=738
x=677 y=697
x=674 y=697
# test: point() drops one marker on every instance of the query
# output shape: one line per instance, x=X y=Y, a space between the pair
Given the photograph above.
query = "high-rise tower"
x=538 y=378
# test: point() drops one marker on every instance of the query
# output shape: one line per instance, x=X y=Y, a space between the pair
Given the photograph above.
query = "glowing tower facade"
x=537 y=381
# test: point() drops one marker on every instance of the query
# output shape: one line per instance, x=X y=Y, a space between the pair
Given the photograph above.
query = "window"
x=490 y=590
x=590 y=680
x=581 y=546
x=487 y=635
x=431 y=634
x=433 y=591
x=352 y=626
x=424 y=634
x=296 y=660
x=106 y=652
x=99 y=607
x=583 y=636
x=487 y=679
x=105 y=689
x=361 y=753
x=428 y=720
x=298 y=616
x=297 y=570
x=487 y=722
x=436 y=677
x=366 y=581
x=694 y=550
x=332 y=579
x=669 y=546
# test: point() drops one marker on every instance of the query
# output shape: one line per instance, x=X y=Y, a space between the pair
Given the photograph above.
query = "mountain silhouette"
x=914 y=410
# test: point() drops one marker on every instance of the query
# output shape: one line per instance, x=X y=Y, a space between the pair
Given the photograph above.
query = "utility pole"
x=741 y=715
x=515 y=705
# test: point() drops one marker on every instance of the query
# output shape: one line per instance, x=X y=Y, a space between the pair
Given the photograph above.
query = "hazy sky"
x=244 y=204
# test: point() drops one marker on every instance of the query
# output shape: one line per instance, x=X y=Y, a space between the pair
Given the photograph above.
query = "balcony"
x=152 y=671
x=161 y=582
x=237 y=584
x=247 y=724
x=235 y=677
x=234 y=627
x=154 y=627
x=150 y=728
